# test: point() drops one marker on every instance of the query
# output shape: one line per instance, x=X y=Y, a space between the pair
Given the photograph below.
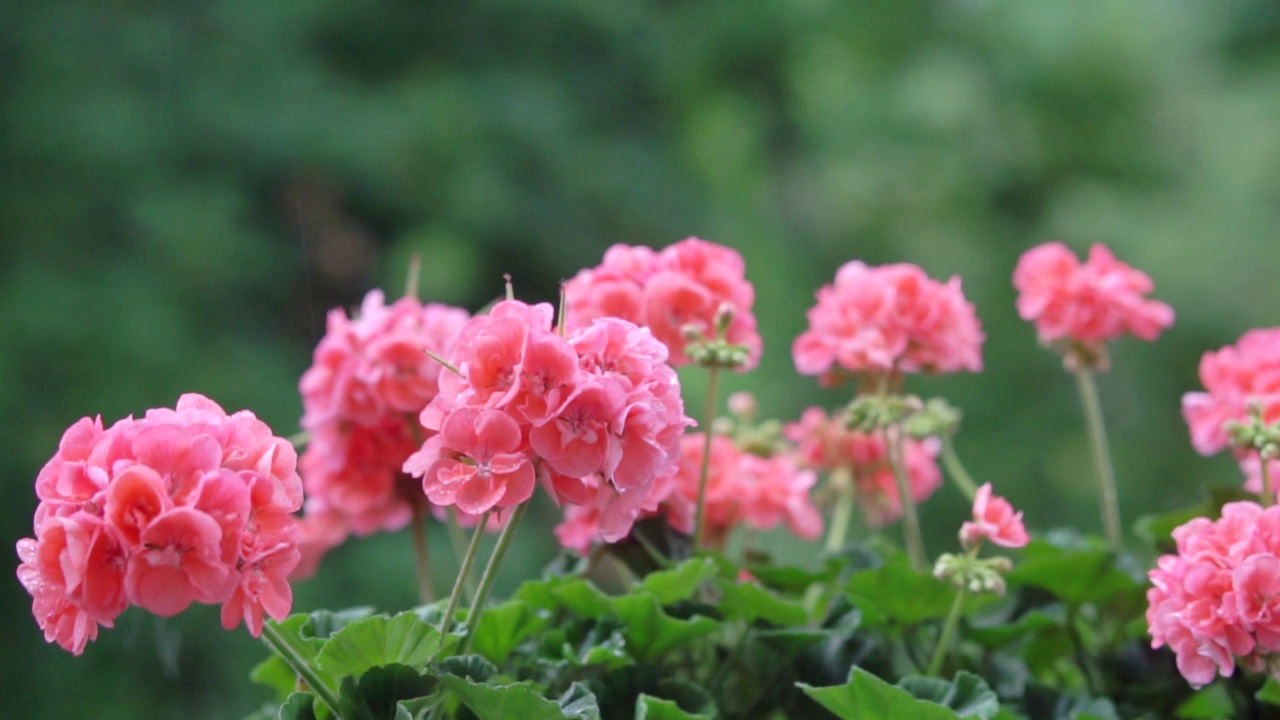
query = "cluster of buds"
x=1255 y=433
x=918 y=418
x=977 y=575
x=763 y=438
x=715 y=351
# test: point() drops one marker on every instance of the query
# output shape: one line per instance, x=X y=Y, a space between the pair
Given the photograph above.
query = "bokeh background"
x=186 y=187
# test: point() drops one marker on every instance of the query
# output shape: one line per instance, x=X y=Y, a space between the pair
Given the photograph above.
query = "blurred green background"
x=186 y=187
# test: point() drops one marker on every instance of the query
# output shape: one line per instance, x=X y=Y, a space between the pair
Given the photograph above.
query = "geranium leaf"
x=867 y=697
x=680 y=582
x=502 y=628
x=967 y=694
x=749 y=602
x=375 y=641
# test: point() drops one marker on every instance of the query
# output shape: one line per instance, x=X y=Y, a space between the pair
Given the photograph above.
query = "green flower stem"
x=491 y=572
x=948 y=630
x=842 y=482
x=459 y=541
x=709 y=416
x=1097 y=430
x=910 y=519
x=463 y=571
x=426 y=587
x=1268 y=496
x=294 y=659
x=956 y=470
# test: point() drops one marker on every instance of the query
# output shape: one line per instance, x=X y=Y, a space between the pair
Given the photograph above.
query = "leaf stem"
x=426 y=587
x=463 y=571
x=1097 y=431
x=491 y=573
x=294 y=659
x=910 y=518
x=1268 y=495
x=956 y=470
x=458 y=540
x=948 y=630
x=846 y=492
x=713 y=378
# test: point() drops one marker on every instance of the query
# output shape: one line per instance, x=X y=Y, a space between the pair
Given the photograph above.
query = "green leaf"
x=652 y=708
x=899 y=594
x=649 y=631
x=276 y=674
x=790 y=578
x=540 y=594
x=298 y=706
x=967 y=694
x=324 y=623
x=1269 y=692
x=867 y=697
x=582 y=598
x=502 y=628
x=1074 y=575
x=514 y=701
x=378 y=692
x=680 y=582
x=579 y=703
x=375 y=641
x=471 y=667
x=750 y=602
x=1029 y=623
x=1213 y=703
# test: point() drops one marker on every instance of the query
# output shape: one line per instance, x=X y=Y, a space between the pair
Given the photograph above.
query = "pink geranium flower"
x=160 y=512
x=994 y=520
x=1086 y=303
x=1233 y=376
x=477 y=462
x=891 y=318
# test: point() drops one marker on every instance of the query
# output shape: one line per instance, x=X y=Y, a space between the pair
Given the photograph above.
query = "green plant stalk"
x=912 y=536
x=458 y=540
x=948 y=630
x=1097 y=430
x=463 y=571
x=426 y=587
x=1268 y=496
x=846 y=493
x=709 y=416
x=281 y=646
x=955 y=469
x=491 y=572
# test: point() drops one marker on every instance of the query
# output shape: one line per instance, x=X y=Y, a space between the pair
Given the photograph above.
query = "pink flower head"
x=1088 y=303
x=159 y=513
x=478 y=461
x=994 y=520
x=891 y=318
x=1217 y=601
x=1234 y=376
x=370 y=379
x=686 y=284
x=825 y=444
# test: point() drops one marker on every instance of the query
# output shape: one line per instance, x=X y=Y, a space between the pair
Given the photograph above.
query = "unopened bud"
x=724 y=318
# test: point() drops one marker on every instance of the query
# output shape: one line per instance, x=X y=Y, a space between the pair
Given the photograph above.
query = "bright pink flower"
x=355 y=470
x=686 y=284
x=158 y=512
x=1233 y=376
x=994 y=520
x=578 y=441
x=886 y=319
x=825 y=444
x=477 y=462
x=1090 y=303
x=1217 y=601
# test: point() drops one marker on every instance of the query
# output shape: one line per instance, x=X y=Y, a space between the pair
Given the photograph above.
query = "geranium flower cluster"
x=826 y=444
x=183 y=505
x=595 y=417
x=370 y=378
x=683 y=287
x=993 y=519
x=1234 y=376
x=1089 y=303
x=891 y=318
x=1217 y=601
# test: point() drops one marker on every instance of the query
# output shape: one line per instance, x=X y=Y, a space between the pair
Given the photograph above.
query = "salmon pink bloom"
x=159 y=512
x=891 y=318
x=1234 y=376
x=685 y=285
x=477 y=462
x=994 y=520
x=1088 y=303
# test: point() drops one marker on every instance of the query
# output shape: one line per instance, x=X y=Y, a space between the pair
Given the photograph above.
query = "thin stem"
x=948 y=630
x=463 y=571
x=709 y=416
x=956 y=470
x=491 y=573
x=458 y=539
x=846 y=492
x=426 y=588
x=415 y=272
x=1268 y=496
x=910 y=519
x=1097 y=430
x=294 y=659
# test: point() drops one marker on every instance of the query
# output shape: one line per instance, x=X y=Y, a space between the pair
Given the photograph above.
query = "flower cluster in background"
x=183 y=505
x=891 y=318
x=370 y=378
